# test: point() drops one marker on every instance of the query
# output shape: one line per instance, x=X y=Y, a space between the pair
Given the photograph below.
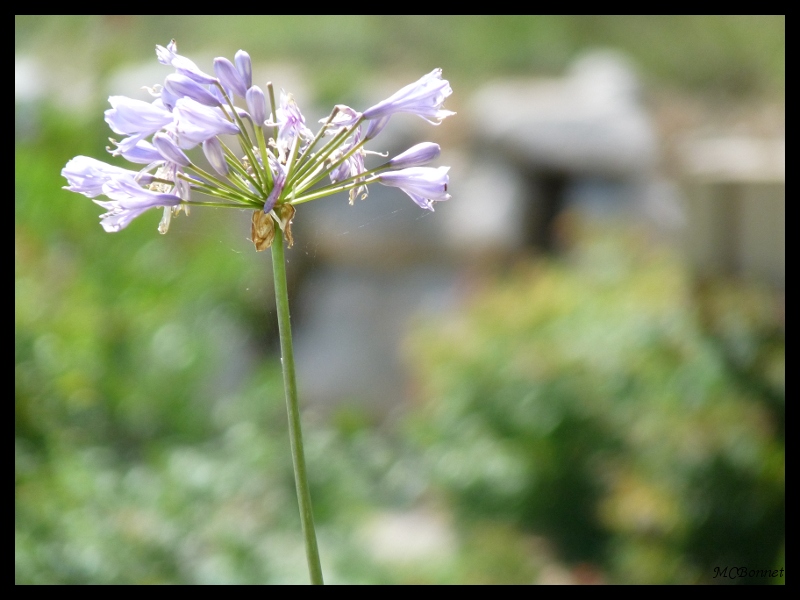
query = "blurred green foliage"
x=590 y=401
x=735 y=54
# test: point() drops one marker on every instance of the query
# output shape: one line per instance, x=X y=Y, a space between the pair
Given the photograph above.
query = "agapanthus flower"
x=424 y=185
x=215 y=155
x=128 y=201
x=143 y=153
x=245 y=68
x=266 y=166
x=344 y=117
x=352 y=167
x=136 y=119
x=184 y=66
x=290 y=122
x=169 y=150
x=416 y=156
x=88 y=175
x=180 y=85
x=424 y=97
x=195 y=123
x=256 y=104
x=229 y=76
x=261 y=162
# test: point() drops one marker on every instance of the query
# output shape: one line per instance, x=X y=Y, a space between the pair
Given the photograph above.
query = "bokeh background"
x=572 y=372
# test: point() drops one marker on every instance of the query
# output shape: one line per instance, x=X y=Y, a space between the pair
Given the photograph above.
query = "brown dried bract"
x=262 y=230
x=285 y=213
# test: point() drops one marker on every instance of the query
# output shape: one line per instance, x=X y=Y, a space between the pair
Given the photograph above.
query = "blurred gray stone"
x=583 y=141
x=589 y=122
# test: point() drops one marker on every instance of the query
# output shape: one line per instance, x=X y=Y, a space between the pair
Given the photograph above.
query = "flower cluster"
x=261 y=153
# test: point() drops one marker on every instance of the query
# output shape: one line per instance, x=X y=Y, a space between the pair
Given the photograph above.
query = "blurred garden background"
x=571 y=372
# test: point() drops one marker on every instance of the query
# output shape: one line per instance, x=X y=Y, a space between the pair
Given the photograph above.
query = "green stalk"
x=293 y=408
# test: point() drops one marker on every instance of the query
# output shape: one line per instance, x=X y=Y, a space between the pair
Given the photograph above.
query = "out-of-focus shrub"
x=592 y=402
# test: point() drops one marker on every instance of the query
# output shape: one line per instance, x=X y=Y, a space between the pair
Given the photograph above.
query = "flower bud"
x=416 y=156
x=257 y=105
x=182 y=86
x=244 y=67
x=229 y=76
x=167 y=148
x=215 y=155
x=375 y=126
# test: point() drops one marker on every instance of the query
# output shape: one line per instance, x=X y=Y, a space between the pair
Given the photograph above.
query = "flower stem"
x=292 y=406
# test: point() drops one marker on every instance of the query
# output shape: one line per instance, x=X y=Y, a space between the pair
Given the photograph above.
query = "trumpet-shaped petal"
x=344 y=117
x=279 y=182
x=143 y=153
x=169 y=150
x=195 y=123
x=424 y=97
x=352 y=166
x=290 y=121
x=179 y=85
x=215 y=155
x=257 y=105
x=375 y=126
x=88 y=175
x=136 y=119
x=416 y=156
x=229 y=76
x=184 y=66
x=242 y=61
x=128 y=201
x=424 y=185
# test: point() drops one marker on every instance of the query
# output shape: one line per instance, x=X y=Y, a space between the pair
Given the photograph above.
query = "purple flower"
x=418 y=155
x=279 y=182
x=245 y=67
x=257 y=105
x=88 y=175
x=425 y=185
x=195 y=123
x=136 y=119
x=375 y=126
x=143 y=153
x=128 y=201
x=351 y=166
x=184 y=66
x=168 y=149
x=290 y=121
x=423 y=97
x=229 y=76
x=179 y=86
x=344 y=117
x=215 y=155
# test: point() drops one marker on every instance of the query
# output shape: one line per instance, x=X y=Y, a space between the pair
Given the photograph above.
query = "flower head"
x=269 y=163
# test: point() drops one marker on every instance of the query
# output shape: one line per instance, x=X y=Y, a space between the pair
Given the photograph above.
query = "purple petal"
x=229 y=76
x=245 y=67
x=167 y=147
x=180 y=86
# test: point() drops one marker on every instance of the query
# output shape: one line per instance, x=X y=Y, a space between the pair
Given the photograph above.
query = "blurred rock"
x=736 y=207
x=585 y=135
